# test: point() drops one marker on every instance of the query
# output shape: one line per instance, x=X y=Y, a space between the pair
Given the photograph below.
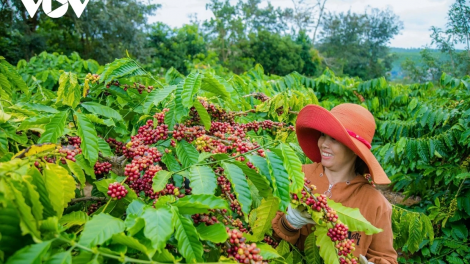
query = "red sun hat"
x=350 y=124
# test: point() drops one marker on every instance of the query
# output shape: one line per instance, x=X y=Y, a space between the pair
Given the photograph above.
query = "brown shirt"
x=377 y=248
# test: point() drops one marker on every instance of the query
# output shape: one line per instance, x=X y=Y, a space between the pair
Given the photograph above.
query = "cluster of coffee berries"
x=171 y=189
x=74 y=141
x=115 y=83
x=93 y=207
x=261 y=96
x=216 y=113
x=318 y=205
x=270 y=241
x=339 y=232
x=139 y=163
x=115 y=145
x=189 y=134
x=102 y=168
x=69 y=152
x=93 y=78
x=117 y=191
x=345 y=247
x=348 y=260
x=151 y=135
x=234 y=204
x=224 y=184
x=207 y=219
x=140 y=88
x=160 y=117
x=242 y=252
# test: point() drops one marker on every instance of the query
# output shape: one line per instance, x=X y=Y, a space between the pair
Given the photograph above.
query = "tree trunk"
x=322 y=9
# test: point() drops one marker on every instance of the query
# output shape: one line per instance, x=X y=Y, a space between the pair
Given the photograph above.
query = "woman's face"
x=334 y=154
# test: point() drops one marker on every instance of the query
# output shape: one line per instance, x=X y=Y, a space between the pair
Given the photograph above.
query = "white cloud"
x=417 y=15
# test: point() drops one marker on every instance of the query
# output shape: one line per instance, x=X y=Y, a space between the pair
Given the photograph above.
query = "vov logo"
x=77 y=6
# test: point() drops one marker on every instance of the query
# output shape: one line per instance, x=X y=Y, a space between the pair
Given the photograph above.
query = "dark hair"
x=360 y=167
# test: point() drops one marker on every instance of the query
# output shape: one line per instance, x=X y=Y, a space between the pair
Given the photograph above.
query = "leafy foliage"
x=190 y=189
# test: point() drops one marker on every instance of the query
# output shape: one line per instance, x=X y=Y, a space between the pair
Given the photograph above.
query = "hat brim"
x=314 y=120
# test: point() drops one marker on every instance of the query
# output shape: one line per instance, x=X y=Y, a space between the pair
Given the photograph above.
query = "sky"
x=417 y=15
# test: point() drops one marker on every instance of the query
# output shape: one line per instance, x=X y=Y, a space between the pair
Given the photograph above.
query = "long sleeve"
x=381 y=249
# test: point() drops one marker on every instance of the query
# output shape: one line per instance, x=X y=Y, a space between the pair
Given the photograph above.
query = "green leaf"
x=205 y=117
x=327 y=247
x=460 y=231
x=170 y=116
x=180 y=110
x=33 y=196
x=28 y=223
x=260 y=182
x=55 y=128
x=134 y=224
x=85 y=165
x=38 y=181
x=160 y=180
x=283 y=247
x=99 y=229
x=414 y=238
x=69 y=92
x=74 y=218
x=104 y=148
x=211 y=84
x=156 y=96
x=191 y=86
x=121 y=68
x=32 y=254
x=102 y=110
x=165 y=256
x=122 y=239
x=11 y=238
x=352 y=218
x=312 y=252
x=200 y=203
x=267 y=252
x=215 y=233
x=35 y=123
x=159 y=225
x=60 y=258
x=262 y=165
x=202 y=180
x=136 y=207
x=428 y=229
x=87 y=133
x=187 y=153
x=265 y=213
x=294 y=168
x=60 y=185
x=77 y=171
x=280 y=179
x=171 y=162
x=241 y=189
x=188 y=240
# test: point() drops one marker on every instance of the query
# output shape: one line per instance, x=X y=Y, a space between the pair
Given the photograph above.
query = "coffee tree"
x=117 y=165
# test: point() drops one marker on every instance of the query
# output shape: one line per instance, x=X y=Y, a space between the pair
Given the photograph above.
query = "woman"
x=339 y=144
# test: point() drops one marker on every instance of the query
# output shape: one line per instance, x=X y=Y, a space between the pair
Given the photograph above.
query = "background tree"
x=176 y=47
x=356 y=44
x=426 y=69
x=103 y=32
x=457 y=31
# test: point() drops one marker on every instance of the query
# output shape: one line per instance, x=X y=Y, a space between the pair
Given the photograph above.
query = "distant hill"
x=413 y=54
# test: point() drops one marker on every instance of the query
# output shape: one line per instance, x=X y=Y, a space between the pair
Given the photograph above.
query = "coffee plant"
x=105 y=164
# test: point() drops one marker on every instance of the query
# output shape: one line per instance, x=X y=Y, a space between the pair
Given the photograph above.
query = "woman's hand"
x=298 y=218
